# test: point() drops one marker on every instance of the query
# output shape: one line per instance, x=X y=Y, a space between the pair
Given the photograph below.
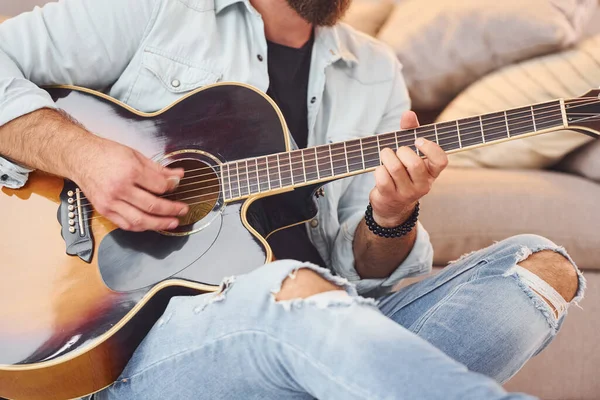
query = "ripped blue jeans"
x=456 y=335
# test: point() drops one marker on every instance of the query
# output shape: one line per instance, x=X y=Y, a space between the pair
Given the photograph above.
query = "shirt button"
x=4 y=177
x=260 y=58
x=313 y=100
x=314 y=223
x=176 y=83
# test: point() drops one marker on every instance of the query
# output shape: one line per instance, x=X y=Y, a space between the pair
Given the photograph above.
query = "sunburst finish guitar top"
x=77 y=295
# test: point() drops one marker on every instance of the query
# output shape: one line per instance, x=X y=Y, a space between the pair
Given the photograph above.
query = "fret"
x=470 y=131
x=340 y=165
x=370 y=155
x=331 y=161
x=548 y=115
x=437 y=139
x=223 y=183
x=242 y=185
x=396 y=138
x=310 y=165
x=481 y=125
x=235 y=184
x=303 y=165
x=257 y=176
x=262 y=174
x=317 y=163
x=418 y=152
x=386 y=141
x=346 y=154
x=533 y=119
x=273 y=171
x=354 y=156
x=252 y=171
x=362 y=152
x=229 y=179
x=279 y=170
x=458 y=134
x=507 y=128
x=297 y=167
x=285 y=168
x=268 y=177
x=519 y=121
x=248 y=178
x=291 y=167
x=378 y=150
x=494 y=126
x=323 y=162
x=426 y=132
x=447 y=134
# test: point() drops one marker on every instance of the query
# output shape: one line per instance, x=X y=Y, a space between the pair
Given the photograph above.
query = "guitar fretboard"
x=242 y=178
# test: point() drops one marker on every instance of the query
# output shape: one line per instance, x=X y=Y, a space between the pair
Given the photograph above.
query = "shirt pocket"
x=164 y=79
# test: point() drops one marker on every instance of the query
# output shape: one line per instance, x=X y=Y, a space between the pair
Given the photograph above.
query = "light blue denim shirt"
x=149 y=53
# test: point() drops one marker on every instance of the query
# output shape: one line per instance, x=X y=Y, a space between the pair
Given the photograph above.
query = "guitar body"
x=70 y=323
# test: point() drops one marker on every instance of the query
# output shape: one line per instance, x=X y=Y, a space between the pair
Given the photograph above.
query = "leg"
x=493 y=309
x=287 y=331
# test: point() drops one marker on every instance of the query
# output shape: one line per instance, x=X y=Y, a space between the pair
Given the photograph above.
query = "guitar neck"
x=283 y=171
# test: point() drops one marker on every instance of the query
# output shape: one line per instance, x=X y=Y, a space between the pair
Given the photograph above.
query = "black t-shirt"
x=288 y=74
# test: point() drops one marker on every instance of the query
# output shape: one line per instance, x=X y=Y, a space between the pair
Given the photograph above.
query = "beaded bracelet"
x=398 y=231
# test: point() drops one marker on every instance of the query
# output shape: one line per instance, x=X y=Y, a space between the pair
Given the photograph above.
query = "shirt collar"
x=329 y=39
x=220 y=5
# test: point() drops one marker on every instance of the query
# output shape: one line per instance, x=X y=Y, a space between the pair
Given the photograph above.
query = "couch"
x=471 y=207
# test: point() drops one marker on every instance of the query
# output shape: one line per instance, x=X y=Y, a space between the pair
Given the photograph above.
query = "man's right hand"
x=125 y=186
x=122 y=184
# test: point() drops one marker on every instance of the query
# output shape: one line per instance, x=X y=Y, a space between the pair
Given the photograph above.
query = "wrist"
x=392 y=232
x=396 y=218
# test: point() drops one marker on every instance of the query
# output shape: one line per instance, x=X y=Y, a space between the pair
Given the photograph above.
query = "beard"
x=320 y=12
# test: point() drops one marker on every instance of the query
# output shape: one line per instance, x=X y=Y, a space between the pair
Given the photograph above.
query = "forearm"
x=46 y=140
x=378 y=257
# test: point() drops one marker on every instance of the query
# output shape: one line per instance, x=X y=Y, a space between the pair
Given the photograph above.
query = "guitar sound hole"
x=199 y=188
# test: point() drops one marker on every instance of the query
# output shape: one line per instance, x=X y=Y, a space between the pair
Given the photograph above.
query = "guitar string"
x=502 y=118
x=496 y=120
x=275 y=182
x=319 y=162
x=466 y=131
x=201 y=202
x=298 y=158
x=357 y=147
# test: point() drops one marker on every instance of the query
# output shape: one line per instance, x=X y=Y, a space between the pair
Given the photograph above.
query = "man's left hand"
x=405 y=177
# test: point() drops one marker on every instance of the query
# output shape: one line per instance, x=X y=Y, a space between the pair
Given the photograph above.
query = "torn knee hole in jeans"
x=344 y=296
x=545 y=297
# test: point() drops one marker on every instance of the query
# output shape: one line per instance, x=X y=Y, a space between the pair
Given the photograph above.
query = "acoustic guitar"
x=77 y=294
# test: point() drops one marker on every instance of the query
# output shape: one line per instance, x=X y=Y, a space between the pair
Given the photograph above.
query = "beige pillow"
x=368 y=16
x=446 y=45
x=567 y=74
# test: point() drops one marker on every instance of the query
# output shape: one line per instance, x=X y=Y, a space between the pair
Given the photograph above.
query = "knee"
x=556 y=270
x=304 y=283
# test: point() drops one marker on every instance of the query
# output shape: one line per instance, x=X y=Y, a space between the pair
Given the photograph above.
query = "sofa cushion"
x=470 y=208
x=368 y=16
x=584 y=161
x=445 y=45
x=566 y=74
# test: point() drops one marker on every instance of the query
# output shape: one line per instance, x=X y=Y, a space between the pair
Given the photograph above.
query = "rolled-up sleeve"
x=351 y=210
x=73 y=42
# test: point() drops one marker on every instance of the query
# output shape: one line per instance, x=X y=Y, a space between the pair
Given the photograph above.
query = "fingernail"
x=173 y=225
x=173 y=181
x=420 y=142
x=183 y=211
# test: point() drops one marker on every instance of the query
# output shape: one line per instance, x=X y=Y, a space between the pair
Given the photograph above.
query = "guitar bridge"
x=74 y=218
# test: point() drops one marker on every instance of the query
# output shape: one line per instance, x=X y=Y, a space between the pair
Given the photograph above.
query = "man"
x=289 y=329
